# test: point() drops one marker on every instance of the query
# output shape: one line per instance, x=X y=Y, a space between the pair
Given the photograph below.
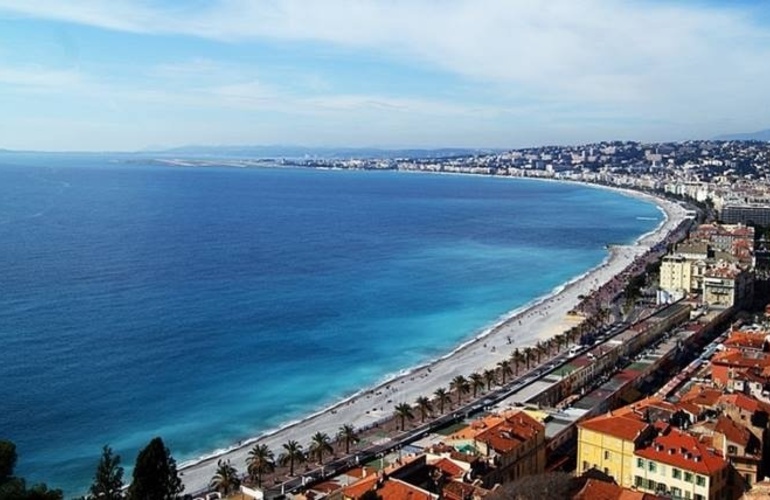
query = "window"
x=687 y=495
x=698 y=496
x=676 y=473
x=651 y=485
x=700 y=480
x=732 y=449
x=652 y=466
x=688 y=476
x=585 y=465
x=606 y=471
x=676 y=492
x=640 y=463
x=638 y=481
x=606 y=455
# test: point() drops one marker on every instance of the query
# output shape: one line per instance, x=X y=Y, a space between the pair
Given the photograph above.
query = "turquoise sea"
x=207 y=305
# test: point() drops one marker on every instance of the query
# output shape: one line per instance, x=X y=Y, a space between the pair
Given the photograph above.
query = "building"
x=511 y=443
x=758 y=214
x=727 y=285
x=608 y=442
x=678 y=464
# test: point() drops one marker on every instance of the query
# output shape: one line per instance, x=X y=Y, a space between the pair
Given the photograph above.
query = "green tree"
x=529 y=355
x=442 y=396
x=108 y=480
x=517 y=358
x=505 y=369
x=320 y=444
x=260 y=460
x=292 y=454
x=403 y=411
x=425 y=407
x=460 y=385
x=349 y=435
x=225 y=478
x=477 y=382
x=15 y=488
x=155 y=476
x=490 y=378
x=8 y=459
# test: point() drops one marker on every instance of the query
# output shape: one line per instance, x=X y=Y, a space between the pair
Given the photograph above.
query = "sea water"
x=207 y=305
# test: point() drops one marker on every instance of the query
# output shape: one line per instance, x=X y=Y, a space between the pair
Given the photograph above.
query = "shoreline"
x=539 y=319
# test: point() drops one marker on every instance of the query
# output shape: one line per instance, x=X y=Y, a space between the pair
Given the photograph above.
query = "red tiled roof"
x=627 y=426
x=733 y=431
x=510 y=433
x=753 y=340
x=598 y=490
x=679 y=449
x=457 y=490
x=745 y=402
x=389 y=489
x=449 y=467
x=702 y=396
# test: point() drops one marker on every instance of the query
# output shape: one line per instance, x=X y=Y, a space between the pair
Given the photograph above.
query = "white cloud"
x=35 y=78
x=669 y=66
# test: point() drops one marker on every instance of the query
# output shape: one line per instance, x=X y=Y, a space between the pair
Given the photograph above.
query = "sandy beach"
x=542 y=320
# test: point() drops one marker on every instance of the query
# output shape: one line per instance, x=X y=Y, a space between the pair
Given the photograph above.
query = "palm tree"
x=292 y=453
x=425 y=407
x=260 y=461
x=226 y=478
x=443 y=397
x=561 y=341
x=404 y=411
x=505 y=368
x=489 y=378
x=517 y=357
x=529 y=355
x=319 y=445
x=460 y=385
x=539 y=350
x=348 y=435
x=477 y=382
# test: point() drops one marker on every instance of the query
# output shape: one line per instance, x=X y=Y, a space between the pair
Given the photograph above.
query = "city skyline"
x=134 y=75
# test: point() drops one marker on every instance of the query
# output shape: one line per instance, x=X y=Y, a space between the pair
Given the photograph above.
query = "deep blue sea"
x=206 y=305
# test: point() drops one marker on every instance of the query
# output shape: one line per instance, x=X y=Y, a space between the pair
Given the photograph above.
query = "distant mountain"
x=311 y=152
x=762 y=135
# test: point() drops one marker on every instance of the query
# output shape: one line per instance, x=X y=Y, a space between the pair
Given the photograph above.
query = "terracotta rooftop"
x=595 y=489
x=679 y=449
x=733 y=431
x=387 y=489
x=512 y=432
x=745 y=403
x=449 y=467
x=627 y=426
x=702 y=396
x=457 y=490
x=746 y=339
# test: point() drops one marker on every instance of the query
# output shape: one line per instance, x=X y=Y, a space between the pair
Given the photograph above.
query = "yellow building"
x=676 y=274
x=608 y=442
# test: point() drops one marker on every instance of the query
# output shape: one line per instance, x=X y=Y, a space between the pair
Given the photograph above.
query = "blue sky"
x=126 y=75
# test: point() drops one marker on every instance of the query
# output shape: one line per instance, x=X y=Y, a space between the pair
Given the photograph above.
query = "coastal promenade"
x=524 y=328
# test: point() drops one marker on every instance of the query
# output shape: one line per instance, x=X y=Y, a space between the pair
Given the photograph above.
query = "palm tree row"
x=261 y=459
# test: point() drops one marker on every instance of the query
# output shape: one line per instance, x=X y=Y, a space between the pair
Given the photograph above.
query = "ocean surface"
x=207 y=305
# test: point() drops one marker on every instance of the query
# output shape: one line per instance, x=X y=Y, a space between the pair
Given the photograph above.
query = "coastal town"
x=649 y=378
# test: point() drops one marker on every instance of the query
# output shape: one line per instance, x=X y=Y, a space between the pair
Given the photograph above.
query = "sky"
x=120 y=75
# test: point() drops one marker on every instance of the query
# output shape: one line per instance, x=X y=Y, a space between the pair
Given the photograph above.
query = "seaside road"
x=485 y=401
